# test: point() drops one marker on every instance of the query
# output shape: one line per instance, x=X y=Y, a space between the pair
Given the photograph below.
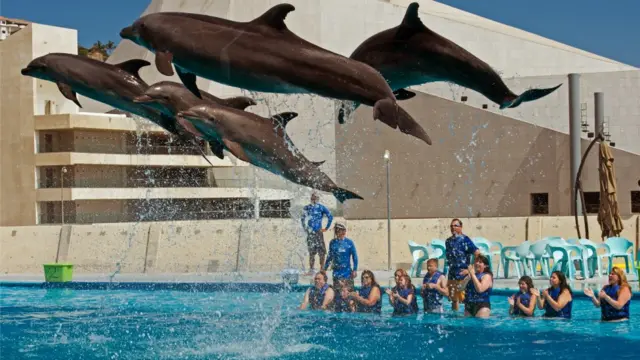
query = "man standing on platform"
x=459 y=249
x=312 y=224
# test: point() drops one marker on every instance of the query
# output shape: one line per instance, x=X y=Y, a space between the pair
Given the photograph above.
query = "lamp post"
x=387 y=160
x=64 y=171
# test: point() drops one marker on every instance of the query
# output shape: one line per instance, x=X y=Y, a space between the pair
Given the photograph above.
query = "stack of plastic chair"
x=540 y=256
x=418 y=258
x=564 y=255
x=441 y=245
x=485 y=247
x=582 y=257
x=510 y=254
x=595 y=259
x=618 y=248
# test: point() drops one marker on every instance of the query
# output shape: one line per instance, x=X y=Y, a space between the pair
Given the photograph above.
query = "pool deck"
x=385 y=278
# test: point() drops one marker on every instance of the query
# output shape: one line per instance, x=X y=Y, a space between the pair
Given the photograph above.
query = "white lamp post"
x=387 y=160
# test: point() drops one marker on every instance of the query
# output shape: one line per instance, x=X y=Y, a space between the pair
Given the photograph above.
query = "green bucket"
x=61 y=272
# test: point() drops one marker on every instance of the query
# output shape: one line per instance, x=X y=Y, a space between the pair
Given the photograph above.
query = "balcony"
x=79 y=194
x=95 y=121
x=78 y=158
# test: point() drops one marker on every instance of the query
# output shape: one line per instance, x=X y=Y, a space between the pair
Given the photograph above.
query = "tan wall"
x=249 y=245
x=480 y=165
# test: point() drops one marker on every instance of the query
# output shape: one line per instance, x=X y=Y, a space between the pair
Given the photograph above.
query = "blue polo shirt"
x=459 y=249
x=312 y=217
x=340 y=254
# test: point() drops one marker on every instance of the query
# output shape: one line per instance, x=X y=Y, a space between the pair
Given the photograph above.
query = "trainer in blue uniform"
x=615 y=298
x=523 y=303
x=557 y=300
x=312 y=224
x=459 y=249
x=341 y=251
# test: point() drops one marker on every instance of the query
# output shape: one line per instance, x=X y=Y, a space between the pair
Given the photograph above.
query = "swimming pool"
x=62 y=323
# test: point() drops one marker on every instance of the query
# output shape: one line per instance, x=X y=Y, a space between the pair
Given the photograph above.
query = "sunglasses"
x=366 y=277
x=455 y=225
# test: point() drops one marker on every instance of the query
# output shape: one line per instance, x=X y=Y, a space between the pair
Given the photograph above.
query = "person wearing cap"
x=312 y=224
x=342 y=251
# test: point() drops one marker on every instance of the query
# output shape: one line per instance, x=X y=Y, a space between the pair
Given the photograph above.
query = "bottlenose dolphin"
x=412 y=54
x=173 y=97
x=264 y=55
x=260 y=142
x=113 y=84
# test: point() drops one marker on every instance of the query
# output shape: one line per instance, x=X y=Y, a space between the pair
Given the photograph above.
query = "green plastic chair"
x=485 y=247
x=618 y=248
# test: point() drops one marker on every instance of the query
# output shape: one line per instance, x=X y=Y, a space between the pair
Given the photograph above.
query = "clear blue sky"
x=607 y=28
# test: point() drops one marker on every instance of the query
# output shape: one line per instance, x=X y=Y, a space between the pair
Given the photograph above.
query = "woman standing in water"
x=524 y=302
x=614 y=299
x=369 y=298
x=557 y=300
x=479 y=284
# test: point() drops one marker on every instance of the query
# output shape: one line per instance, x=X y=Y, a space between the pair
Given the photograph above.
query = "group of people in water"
x=470 y=284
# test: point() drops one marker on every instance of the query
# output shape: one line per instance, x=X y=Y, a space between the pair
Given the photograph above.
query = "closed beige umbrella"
x=608 y=214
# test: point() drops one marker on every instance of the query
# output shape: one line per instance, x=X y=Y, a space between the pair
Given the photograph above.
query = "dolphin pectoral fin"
x=318 y=163
x=133 y=66
x=530 y=95
x=343 y=194
x=283 y=119
x=189 y=81
x=275 y=16
x=236 y=149
x=388 y=111
x=411 y=23
x=163 y=62
x=403 y=94
x=68 y=92
x=240 y=102
x=216 y=148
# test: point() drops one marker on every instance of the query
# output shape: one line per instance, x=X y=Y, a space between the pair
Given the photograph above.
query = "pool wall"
x=247 y=245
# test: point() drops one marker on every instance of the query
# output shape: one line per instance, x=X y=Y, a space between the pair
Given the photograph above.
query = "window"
x=592 y=202
x=540 y=204
x=464 y=98
x=485 y=106
x=635 y=201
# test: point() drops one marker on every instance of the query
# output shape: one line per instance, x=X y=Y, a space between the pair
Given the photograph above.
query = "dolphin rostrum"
x=261 y=142
x=173 y=97
x=264 y=55
x=412 y=54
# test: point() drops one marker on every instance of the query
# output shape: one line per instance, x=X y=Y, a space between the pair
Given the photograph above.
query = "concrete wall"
x=480 y=165
x=248 y=245
x=621 y=105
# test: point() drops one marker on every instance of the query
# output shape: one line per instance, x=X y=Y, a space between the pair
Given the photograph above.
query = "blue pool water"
x=135 y=324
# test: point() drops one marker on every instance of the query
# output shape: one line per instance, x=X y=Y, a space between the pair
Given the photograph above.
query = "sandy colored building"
x=96 y=166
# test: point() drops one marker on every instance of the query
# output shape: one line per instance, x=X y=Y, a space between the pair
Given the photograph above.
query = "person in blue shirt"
x=341 y=251
x=312 y=224
x=459 y=249
x=614 y=299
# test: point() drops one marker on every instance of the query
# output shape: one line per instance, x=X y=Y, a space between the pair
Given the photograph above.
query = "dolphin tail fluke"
x=529 y=95
x=342 y=195
x=388 y=111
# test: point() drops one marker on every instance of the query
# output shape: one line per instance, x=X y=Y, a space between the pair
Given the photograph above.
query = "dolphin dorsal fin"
x=411 y=22
x=275 y=16
x=283 y=119
x=133 y=66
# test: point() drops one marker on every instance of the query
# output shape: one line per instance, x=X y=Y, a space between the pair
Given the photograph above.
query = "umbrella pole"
x=578 y=186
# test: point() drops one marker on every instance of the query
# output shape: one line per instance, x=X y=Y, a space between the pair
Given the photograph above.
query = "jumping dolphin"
x=264 y=55
x=412 y=54
x=174 y=97
x=260 y=142
x=113 y=84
